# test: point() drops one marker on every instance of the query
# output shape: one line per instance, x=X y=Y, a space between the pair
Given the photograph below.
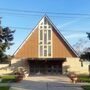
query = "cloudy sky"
x=71 y=17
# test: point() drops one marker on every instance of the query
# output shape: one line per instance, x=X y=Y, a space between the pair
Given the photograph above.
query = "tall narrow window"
x=49 y=34
x=41 y=50
x=45 y=37
x=41 y=34
x=45 y=21
x=45 y=52
x=49 y=50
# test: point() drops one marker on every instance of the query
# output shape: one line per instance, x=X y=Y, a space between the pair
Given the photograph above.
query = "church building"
x=46 y=51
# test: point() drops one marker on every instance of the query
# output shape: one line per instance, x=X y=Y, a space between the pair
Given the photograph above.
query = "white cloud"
x=69 y=22
x=76 y=36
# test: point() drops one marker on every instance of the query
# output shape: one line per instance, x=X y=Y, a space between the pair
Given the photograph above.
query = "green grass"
x=4 y=87
x=8 y=78
x=86 y=87
x=84 y=79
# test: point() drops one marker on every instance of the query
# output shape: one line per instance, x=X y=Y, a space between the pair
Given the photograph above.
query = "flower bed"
x=74 y=78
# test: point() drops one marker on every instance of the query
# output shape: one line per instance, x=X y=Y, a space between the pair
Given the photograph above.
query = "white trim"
x=43 y=29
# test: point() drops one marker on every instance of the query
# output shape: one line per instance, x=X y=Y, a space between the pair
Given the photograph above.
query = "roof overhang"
x=46 y=59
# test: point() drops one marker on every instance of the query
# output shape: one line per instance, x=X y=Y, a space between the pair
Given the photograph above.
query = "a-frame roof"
x=56 y=31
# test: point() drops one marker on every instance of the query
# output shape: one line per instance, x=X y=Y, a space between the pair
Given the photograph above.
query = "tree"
x=86 y=56
x=6 y=38
x=79 y=46
x=88 y=34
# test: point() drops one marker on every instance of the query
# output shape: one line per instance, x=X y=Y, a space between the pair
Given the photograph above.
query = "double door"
x=39 y=68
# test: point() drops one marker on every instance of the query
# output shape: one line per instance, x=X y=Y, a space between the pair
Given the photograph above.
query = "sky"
x=71 y=17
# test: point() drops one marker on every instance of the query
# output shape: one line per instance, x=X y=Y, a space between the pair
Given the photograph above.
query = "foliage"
x=79 y=46
x=85 y=56
x=6 y=38
x=88 y=35
x=4 y=87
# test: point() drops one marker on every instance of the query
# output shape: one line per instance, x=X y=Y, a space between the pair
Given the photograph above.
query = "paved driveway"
x=46 y=83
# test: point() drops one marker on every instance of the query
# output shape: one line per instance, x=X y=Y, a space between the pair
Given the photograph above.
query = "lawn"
x=84 y=78
x=8 y=78
x=4 y=87
x=86 y=87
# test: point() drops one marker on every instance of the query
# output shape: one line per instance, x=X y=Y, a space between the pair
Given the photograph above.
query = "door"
x=45 y=67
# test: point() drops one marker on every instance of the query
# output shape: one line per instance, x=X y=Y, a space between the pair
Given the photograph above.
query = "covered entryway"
x=45 y=66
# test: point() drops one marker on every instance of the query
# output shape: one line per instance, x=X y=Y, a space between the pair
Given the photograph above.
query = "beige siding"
x=74 y=65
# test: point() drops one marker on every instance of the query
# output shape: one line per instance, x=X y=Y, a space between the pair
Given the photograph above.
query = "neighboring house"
x=46 y=51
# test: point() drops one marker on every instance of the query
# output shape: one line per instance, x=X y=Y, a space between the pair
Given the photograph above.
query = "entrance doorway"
x=42 y=67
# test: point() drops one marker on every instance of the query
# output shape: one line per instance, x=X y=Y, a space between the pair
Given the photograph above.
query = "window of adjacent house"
x=41 y=34
x=49 y=34
x=49 y=50
x=41 y=50
x=45 y=37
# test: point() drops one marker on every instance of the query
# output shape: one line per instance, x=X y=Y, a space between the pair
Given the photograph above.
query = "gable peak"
x=45 y=20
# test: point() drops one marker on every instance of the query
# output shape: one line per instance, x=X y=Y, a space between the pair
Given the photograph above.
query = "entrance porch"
x=45 y=66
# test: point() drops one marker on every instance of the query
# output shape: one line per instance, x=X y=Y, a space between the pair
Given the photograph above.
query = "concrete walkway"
x=46 y=83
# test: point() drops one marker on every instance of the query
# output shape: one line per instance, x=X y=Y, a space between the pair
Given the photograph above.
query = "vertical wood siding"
x=30 y=47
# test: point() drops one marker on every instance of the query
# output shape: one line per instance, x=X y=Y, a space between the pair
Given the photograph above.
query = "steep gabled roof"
x=56 y=31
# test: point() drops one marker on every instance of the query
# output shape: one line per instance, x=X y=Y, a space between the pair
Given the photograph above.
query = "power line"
x=52 y=16
x=19 y=14
x=29 y=28
x=42 y=12
x=39 y=13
